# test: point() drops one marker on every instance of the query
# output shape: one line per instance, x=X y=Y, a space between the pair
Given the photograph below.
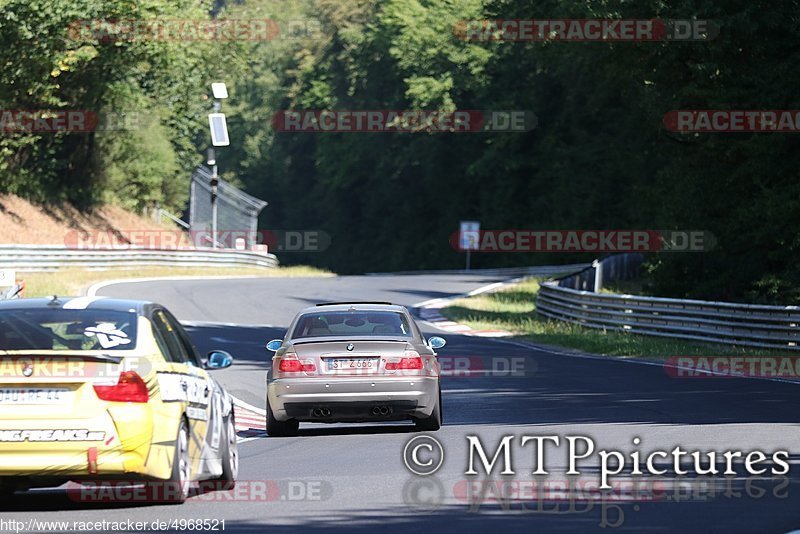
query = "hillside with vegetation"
x=600 y=156
x=25 y=223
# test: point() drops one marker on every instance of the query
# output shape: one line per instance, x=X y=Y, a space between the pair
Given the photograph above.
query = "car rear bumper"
x=119 y=443
x=352 y=399
x=71 y=463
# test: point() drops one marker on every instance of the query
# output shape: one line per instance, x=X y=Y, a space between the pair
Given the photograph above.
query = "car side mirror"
x=274 y=345
x=436 y=342
x=219 y=359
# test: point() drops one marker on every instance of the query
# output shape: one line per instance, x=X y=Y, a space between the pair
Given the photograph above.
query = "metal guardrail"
x=717 y=322
x=53 y=257
x=601 y=271
x=541 y=270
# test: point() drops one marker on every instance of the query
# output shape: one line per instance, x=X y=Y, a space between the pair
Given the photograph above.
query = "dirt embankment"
x=24 y=223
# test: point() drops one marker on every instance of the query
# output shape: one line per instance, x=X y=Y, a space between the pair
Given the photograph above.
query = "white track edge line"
x=241 y=404
x=92 y=290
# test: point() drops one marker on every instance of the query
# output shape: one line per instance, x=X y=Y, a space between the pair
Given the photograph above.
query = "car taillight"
x=129 y=388
x=411 y=361
x=405 y=364
x=296 y=366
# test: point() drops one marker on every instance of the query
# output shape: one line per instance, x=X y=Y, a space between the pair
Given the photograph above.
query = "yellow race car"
x=99 y=389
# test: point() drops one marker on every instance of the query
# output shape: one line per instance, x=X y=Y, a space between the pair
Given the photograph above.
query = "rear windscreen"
x=60 y=329
x=349 y=323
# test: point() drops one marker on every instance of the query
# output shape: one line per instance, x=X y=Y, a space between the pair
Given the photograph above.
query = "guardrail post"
x=598 y=275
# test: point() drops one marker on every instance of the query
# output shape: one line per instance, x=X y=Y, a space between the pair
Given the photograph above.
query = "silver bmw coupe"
x=353 y=362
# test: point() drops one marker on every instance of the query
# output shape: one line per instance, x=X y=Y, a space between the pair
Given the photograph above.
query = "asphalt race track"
x=351 y=478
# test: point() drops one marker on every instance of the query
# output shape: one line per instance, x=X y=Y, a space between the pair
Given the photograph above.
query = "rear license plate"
x=9 y=396
x=352 y=364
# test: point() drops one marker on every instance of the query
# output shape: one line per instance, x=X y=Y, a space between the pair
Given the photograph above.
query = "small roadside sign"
x=469 y=236
x=219 y=129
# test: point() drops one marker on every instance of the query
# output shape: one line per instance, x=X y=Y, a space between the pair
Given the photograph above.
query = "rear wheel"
x=9 y=485
x=229 y=456
x=176 y=489
x=434 y=421
x=279 y=429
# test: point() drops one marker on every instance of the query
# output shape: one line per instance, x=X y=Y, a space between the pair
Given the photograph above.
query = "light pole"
x=214 y=182
x=219 y=137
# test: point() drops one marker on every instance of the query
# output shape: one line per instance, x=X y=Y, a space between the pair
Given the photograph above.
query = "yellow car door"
x=185 y=382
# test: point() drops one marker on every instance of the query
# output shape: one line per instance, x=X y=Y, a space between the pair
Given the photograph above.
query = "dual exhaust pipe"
x=321 y=412
x=381 y=410
x=376 y=411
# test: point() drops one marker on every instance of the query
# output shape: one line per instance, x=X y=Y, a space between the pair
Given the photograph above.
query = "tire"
x=9 y=486
x=280 y=429
x=175 y=490
x=433 y=422
x=229 y=456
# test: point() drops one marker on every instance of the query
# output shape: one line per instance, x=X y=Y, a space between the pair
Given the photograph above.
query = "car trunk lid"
x=48 y=385
x=349 y=357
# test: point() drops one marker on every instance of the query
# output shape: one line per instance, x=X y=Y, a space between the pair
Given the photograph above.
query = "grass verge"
x=513 y=308
x=70 y=282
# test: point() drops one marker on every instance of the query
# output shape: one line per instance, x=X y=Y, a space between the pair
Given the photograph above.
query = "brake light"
x=409 y=364
x=129 y=388
x=411 y=361
x=296 y=366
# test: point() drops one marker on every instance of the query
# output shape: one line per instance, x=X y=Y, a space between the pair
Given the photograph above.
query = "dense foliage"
x=152 y=89
x=600 y=156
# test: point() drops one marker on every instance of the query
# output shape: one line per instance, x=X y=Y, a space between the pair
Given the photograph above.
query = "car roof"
x=75 y=303
x=354 y=306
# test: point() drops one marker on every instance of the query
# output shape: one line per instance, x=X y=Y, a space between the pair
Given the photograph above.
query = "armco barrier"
x=718 y=322
x=509 y=272
x=53 y=257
